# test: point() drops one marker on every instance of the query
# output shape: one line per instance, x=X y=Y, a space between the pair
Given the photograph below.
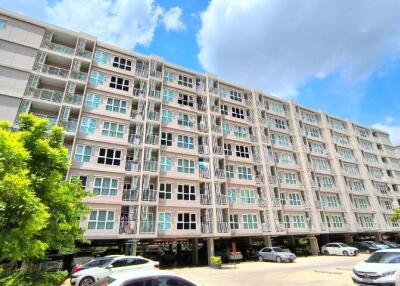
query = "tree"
x=39 y=208
x=396 y=215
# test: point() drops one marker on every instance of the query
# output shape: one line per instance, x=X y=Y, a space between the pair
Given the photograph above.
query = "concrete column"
x=195 y=251
x=314 y=245
x=348 y=237
x=378 y=236
x=133 y=247
x=210 y=248
x=250 y=240
x=267 y=241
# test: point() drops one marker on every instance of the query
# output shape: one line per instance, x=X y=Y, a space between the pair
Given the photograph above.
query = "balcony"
x=262 y=202
x=141 y=73
x=201 y=107
x=150 y=166
x=155 y=93
x=78 y=75
x=219 y=173
x=45 y=94
x=203 y=150
x=149 y=195
x=147 y=227
x=217 y=150
x=259 y=179
x=216 y=128
x=153 y=115
x=138 y=92
x=84 y=54
x=207 y=227
x=132 y=166
x=51 y=70
x=223 y=227
x=127 y=227
x=334 y=227
x=366 y=226
x=152 y=139
x=276 y=202
x=202 y=127
x=156 y=74
x=70 y=125
x=74 y=99
x=136 y=115
x=130 y=195
x=58 y=48
x=134 y=139
x=221 y=200
x=205 y=199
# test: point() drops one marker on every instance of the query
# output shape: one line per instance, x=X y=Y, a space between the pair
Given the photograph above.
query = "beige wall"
x=8 y=107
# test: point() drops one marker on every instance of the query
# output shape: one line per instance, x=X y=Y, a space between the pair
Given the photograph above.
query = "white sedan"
x=118 y=264
x=144 y=278
x=339 y=249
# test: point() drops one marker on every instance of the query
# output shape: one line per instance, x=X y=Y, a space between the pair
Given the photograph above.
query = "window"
x=186 y=142
x=185 y=81
x=356 y=185
x=112 y=129
x=166 y=138
x=232 y=195
x=337 y=125
x=101 y=220
x=331 y=201
x=101 y=57
x=277 y=107
x=164 y=221
x=186 y=193
x=317 y=147
x=230 y=174
x=186 y=221
x=185 y=99
x=166 y=116
x=281 y=140
x=224 y=109
x=169 y=76
x=247 y=197
x=165 y=164
x=83 y=180
x=168 y=96
x=186 y=166
x=88 y=125
x=326 y=182
x=321 y=165
x=240 y=132
x=122 y=63
x=309 y=117
x=351 y=169
x=223 y=91
x=116 y=105
x=280 y=123
x=228 y=149
x=298 y=221
x=235 y=95
x=285 y=158
x=165 y=191
x=337 y=221
x=109 y=157
x=92 y=101
x=119 y=83
x=97 y=78
x=105 y=187
x=313 y=132
x=244 y=173
x=234 y=221
x=294 y=199
x=185 y=120
x=83 y=153
x=345 y=153
x=226 y=128
x=288 y=178
x=242 y=151
x=250 y=221
x=237 y=112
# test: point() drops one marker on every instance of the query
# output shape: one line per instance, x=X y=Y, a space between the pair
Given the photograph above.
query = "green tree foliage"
x=396 y=215
x=39 y=209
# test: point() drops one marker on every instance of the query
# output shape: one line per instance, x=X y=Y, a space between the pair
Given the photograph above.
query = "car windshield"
x=384 y=257
x=343 y=245
x=98 y=262
x=104 y=282
x=278 y=249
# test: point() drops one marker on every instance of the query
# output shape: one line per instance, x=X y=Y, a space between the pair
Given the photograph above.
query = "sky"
x=341 y=57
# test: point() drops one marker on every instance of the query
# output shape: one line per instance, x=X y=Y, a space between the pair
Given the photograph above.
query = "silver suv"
x=275 y=254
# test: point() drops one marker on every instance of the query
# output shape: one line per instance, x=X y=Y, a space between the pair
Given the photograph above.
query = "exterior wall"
x=292 y=167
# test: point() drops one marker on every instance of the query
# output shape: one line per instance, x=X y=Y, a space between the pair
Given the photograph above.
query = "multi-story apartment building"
x=172 y=154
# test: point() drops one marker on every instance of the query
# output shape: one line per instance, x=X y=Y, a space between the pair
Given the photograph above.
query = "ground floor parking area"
x=312 y=270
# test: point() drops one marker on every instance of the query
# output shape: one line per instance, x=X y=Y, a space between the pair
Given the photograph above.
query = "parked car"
x=362 y=246
x=389 y=243
x=275 y=254
x=381 y=268
x=112 y=265
x=228 y=255
x=95 y=262
x=339 y=249
x=376 y=244
x=145 y=278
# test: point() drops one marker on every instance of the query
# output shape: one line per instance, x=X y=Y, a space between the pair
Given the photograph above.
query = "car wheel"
x=345 y=253
x=326 y=252
x=86 y=281
x=278 y=259
x=260 y=258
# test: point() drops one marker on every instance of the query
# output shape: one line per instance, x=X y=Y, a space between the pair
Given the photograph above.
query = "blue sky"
x=342 y=56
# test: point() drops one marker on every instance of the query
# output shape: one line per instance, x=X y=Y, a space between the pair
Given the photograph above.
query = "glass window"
x=88 y=125
x=165 y=191
x=234 y=221
x=244 y=173
x=250 y=221
x=109 y=156
x=112 y=129
x=237 y=113
x=185 y=81
x=166 y=139
x=164 y=221
x=298 y=221
x=235 y=95
x=122 y=63
x=294 y=199
x=83 y=153
x=240 y=132
x=185 y=120
x=185 y=99
x=97 y=78
x=226 y=128
x=228 y=149
x=186 y=142
x=169 y=76
x=116 y=105
x=101 y=57
x=186 y=193
x=247 y=197
x=242 y=151
x=105 y=187
x=224 y=109
x=232 y=195
x=119 y=83
x=165 y=164
x=186 y=166
x=168 y=96
x=101 y=219
x=166 y=116
x=230 y=174
x=277 y=107
x=92 y=100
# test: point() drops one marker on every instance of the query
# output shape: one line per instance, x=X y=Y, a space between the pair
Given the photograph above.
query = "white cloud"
x=278 y=44
x=393 y=130
x=172 y=19
x=389 y=119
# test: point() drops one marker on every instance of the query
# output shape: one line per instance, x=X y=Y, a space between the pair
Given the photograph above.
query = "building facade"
x=170 y=153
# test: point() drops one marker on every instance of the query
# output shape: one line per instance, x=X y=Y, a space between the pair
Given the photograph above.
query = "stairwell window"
x=88 y=125
x=119 y=83
x=92 y=100
x=105 y=187
x=186 y=166
x=83 y=153
x=109 y=156
x=101 y=219
x=116 y=105
x=122 y=63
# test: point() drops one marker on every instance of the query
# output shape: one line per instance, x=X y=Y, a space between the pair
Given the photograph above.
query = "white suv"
x=118 y=264
x=381 y=268
x=339 y=249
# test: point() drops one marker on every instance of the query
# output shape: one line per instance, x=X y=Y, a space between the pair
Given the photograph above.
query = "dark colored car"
x=389 y=243
x=363 y=246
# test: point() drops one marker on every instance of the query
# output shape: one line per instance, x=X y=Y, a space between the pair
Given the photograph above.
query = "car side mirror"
x=109 y=266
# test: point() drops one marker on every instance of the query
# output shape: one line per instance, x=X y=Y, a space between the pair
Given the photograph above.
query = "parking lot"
x=318 y=270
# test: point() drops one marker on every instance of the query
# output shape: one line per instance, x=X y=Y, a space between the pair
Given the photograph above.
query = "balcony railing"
x=84 y=54
x=202 y=127
x=132 y=166
x=223 y=227
x=219 y=173
x=141 y=72
x=207 y=227
x=149 y=195
x=127 y=227
x=70 y=125
x=58 y=48
x=152 y=139
x=150 y=166
x=216 y=128
x=217 y=150
x=147 y=226
x=78 y=75
x=205 y=199
x=262 y=202
x=259 y=179
x=153 y=115
x=155 y=93
x=156 y=74
x=51 y=70
x=221 y=199
x=138 y=92
x=45 y=94
x=74 y=99
x=130 y=195
x=203 y=150
x=204 y=173
x=134 y=138
x=136 y=115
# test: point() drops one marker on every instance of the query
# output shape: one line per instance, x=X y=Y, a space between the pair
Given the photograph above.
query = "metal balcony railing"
x=205 y=199
x=221 y=199
x=58 y=48
x=150 y=166
x=51 y=70
x=223 y=227
x=74 y=99
x=149 y=195
x=127 y=227
x=70 y=125
x=130 y=195
x=78 y=75
x=45 y=94
x=135 y=139
x=207 y=227
x=147 y=226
